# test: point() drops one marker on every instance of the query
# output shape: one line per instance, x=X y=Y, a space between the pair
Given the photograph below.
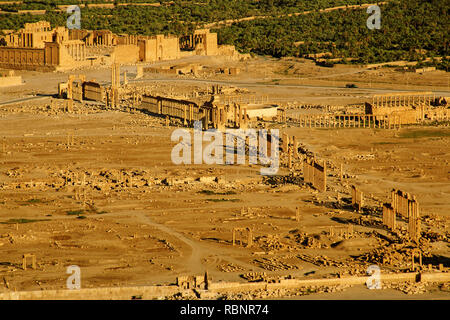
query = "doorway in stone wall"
x=160 y=56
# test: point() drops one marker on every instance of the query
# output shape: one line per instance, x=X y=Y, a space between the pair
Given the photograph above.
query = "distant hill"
x=410 y=29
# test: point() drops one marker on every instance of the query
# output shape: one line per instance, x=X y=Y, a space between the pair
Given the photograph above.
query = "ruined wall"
x=408 y=116
x=77 y=91
x=145 y=52
x=93 y=91
x=211 y=44
x=264 y=113
x=182 y=109
x=175 y=69
x=126 y=53
x=159 y=48
x=22 y=58
x=405 y=114
x=231 y=52
x=168 y=48
x=154 y=292
x=52 y=54
x=65 y=58
x=357 y=198
x=127 y=39
x=151 y=104
x=78 y=34
x=33 y=35
x=315 y=174
x=160 y=70
x=121 y=293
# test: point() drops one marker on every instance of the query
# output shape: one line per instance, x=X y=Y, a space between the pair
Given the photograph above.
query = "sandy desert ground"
x=148 y=220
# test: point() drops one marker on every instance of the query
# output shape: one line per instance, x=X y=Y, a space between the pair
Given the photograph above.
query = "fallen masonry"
x=218 y=289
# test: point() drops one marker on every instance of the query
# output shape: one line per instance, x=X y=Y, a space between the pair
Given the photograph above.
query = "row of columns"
x=357 y=198
x=281 y=115
x=240 y=116
x=402 y=100
x=290 y=146
x=77 y=51
x=115 y=75
x=315 y=174
x=27 y=40
x=348 y=121
x=253 y=99
x=408 y=207
x=389 y=218
x=400 y=202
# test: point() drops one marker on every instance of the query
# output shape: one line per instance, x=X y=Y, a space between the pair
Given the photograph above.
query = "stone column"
x=240 y=116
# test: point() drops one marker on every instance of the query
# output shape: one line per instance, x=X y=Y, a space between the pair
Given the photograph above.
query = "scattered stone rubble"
x=321 y=261
x=273 y=294
x=284 y=179
x=273 y=264
x=306 y=240
x=229 y=267
x=270 y=243
x=394 y=255
x=254 y=276
x=408 y=287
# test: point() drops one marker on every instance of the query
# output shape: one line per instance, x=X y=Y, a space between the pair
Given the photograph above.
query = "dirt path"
x=194 y=262
x=281 y=85
x=199 y=251
x=227 y=22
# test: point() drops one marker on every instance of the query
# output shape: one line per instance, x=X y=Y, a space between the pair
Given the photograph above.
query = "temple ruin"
x=37 y=46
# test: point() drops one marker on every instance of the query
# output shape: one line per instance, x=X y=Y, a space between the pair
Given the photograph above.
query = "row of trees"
x=193 y=10
x=411 y=29
x=169 y=17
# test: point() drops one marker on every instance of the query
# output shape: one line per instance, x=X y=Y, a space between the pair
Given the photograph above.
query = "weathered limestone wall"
x=265 y=113
x=33 y=35
x=93 y=91
x=187 y=111
x=315 y=174
x=22 y=58
x=52 y=54
x=152 y=292
x=126 y=48
x=211 y=44
x=151 y=104
x=124 y=293
x=126 y=53
x=160 y=70
x=159 y=48
x=168 y=48
x=404 y=114
x=145 y=52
